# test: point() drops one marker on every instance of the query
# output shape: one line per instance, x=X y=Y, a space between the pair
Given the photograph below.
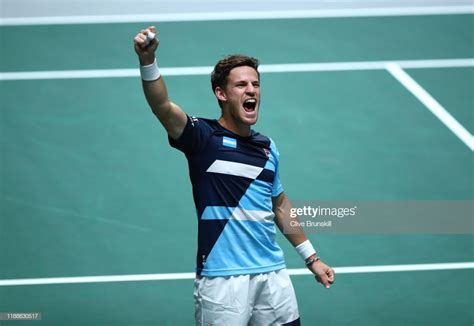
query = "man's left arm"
x=295 y=234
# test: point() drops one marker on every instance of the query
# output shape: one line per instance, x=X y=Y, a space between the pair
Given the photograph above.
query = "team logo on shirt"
x=229 y=142
x=193 y=120
x=267 y=152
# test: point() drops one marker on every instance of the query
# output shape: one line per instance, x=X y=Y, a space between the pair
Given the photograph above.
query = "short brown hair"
x=222 y=69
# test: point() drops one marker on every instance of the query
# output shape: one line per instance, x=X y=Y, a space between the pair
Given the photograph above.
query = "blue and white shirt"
x=234 y=179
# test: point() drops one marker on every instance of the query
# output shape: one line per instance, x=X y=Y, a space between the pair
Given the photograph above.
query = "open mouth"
x=250 y=104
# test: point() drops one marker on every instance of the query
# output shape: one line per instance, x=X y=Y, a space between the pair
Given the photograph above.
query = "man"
x=241 y=274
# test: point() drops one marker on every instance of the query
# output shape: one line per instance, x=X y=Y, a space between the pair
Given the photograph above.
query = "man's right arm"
x=171 y=116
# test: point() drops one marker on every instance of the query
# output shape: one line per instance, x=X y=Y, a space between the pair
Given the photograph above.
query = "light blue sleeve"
x=277 y=186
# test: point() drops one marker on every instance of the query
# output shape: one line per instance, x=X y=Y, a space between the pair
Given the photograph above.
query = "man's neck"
x=239 y=129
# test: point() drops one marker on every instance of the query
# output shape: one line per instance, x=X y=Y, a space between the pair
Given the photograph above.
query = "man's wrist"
x=311 y=260
x=145 y=61
x=150 y=72
x=305 y=249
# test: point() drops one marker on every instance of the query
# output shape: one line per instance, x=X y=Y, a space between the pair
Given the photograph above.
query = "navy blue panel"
x=219 y=190
x=208 y=233
x=266 y=175
x=194 y=137
x=293 y=323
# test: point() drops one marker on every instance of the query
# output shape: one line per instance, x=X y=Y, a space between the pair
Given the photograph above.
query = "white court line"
x=239 y=15
x=424 y=97
x=185 y=276
x=270 y=68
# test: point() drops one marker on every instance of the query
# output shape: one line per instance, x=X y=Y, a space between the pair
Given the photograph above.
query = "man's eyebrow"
x=246 y=81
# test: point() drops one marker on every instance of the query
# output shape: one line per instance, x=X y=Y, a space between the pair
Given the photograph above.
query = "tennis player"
x=241 y=277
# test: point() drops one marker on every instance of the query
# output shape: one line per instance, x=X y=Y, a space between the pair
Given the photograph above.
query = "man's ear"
x=220 y=94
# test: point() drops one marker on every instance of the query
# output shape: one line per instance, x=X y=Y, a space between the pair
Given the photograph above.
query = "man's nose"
x=250 y=89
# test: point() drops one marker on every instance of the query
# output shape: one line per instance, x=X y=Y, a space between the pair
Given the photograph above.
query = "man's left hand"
x=323 y=273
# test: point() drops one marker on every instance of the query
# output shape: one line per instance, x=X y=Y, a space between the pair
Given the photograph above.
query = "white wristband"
x=150 y=72
x=305 y=249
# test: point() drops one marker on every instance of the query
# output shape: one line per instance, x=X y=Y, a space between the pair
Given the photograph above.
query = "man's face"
x=241 y=96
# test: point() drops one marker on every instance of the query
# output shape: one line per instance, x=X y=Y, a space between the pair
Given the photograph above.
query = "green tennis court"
x=90 y=186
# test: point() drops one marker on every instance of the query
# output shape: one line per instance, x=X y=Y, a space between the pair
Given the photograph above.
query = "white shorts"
x=257 y=300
